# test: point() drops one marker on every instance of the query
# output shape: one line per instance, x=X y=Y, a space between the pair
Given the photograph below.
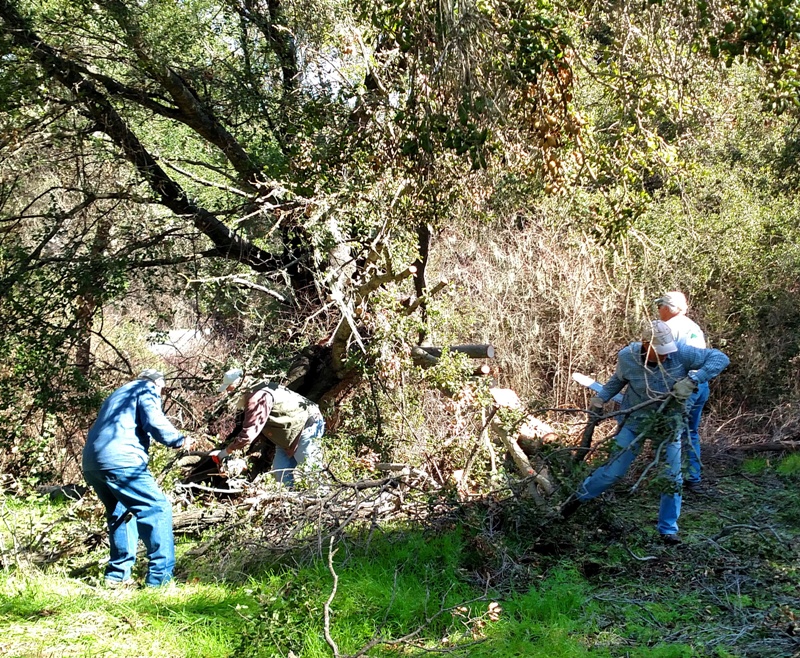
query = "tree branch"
x=327 y=608
x=228 y=244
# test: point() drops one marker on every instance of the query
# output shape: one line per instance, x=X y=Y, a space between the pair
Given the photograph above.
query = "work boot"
x=115 y=583
x=698 y=488
x=570 y=507
x=671 y=540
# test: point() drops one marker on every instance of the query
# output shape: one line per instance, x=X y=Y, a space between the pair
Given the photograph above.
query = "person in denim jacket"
x=650 y=371
x=115 y=465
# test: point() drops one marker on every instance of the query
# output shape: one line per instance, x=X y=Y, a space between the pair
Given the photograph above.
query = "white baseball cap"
x=675 y=299
x=659 y=335
x=229 y=379
x=153 y=375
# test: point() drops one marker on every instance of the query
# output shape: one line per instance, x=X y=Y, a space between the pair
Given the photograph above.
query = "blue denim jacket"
x=129 y=417
x=645 y=383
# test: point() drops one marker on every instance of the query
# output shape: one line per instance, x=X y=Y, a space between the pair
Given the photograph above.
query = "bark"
x=87 y=303
x=778 y=446
x=427 y=357
x=531 y=431
x=195 y=521
x=472 y=351
x=420 y=284
x=279 y=38
x=192 y=111
x=226 y=243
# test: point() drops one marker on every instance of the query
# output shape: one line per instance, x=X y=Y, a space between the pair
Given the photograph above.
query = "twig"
x=727 y=530
x=202 y=487
x=410 y=636
x=646 y=558
x=327 y=609
x=249 y=284
x=479 y=439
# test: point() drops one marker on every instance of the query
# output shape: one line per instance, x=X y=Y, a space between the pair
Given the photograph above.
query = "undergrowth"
x=494 y=583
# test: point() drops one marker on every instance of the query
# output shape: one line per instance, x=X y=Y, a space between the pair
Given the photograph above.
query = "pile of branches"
x=277 y=520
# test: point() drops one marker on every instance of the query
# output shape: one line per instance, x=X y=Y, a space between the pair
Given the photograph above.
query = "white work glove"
x=187 y=443
x=596 y=405
x=683 y=389
x=234 y=467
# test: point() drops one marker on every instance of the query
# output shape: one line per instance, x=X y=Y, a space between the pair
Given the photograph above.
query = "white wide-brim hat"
x=153 y=375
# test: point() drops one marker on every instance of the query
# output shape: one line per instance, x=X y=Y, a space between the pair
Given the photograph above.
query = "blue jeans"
x=620 y=461
x=691 y=433
x=308 y=453
x=135 y=508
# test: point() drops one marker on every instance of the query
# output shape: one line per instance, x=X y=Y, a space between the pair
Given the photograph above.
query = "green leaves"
x=767 y=31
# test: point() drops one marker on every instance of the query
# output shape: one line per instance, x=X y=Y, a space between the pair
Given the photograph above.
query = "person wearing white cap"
x=648 y=371
x=672 y=309
x=290 y=421
x=115 y=465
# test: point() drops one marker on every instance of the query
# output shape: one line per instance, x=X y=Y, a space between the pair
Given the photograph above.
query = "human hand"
x=188 y=441
x=683 y=389
x=239 y=443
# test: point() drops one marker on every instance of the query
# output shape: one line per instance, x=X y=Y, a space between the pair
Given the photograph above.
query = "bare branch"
x=327 y=608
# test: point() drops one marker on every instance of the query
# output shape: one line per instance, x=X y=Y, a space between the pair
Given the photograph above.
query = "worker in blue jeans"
x=672 y=308
x=650 y=371
x=292 y=422
x=695 y=406
x=115 y=465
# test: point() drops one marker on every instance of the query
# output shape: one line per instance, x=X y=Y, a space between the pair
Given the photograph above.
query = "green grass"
x=380 y=593
x=789 y=465
x=49 y=615
x=755 y=465
x=465 y=590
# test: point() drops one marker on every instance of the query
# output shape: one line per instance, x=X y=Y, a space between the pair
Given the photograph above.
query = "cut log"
x=422 y=358
x=531 y=431
x=195 y=522
x=779 y=446
x=427 y=357
x=532 y=427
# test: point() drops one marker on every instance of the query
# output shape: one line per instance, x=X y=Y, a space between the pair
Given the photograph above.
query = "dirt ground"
x=731 y=588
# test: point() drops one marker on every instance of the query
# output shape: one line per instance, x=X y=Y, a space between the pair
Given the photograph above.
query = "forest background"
x=311 y=189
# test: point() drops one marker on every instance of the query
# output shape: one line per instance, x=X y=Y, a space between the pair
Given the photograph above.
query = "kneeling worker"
x=289 y=420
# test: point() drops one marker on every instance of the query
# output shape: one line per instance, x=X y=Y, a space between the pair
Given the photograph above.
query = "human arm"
x=618 y=380
x=706 y=364
x=152 y=420
x=256 y=412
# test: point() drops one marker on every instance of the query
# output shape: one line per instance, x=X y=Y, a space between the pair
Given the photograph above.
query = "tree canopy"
x=291 y=169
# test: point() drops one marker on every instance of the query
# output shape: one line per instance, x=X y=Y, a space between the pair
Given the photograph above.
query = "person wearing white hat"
x=672 y=308
x=115 y=465
x=290 y=421
x=649 y=371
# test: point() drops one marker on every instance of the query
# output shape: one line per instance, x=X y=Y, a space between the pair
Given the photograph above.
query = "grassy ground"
x=499 y=582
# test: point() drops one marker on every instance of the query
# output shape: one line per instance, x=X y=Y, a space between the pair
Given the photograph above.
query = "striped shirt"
x=643 y=382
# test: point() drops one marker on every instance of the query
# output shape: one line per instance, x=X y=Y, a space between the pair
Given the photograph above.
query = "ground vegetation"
x=315 y=192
